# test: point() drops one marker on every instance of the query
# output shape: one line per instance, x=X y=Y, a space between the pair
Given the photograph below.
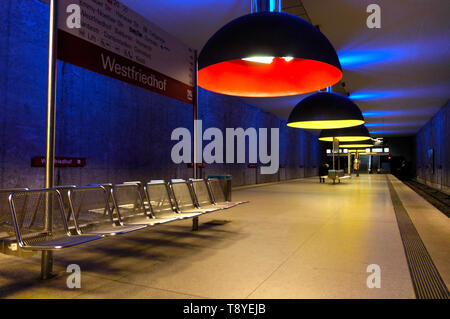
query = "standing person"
x=323 y=171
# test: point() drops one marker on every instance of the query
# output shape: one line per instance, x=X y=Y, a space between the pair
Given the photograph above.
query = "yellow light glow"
x=354 y=151
x=260 y=59
x=288 y=58
x=355 y=145
x=345 y=138
x=320 y=125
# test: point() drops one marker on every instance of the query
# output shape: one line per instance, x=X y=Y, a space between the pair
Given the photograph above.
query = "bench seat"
x=56 y=243
x=111 y=230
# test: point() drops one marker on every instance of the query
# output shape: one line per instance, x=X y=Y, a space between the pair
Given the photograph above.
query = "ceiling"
x=398 y=74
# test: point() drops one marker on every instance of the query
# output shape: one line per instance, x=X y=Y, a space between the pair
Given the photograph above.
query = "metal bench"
x=141 y=190
x=63 y=190
x=184 y=199
x=6 y=223
x=130 y=206
x=337 y=175
x=91 y=213
x=35 y=230
x=108 y=187
x=160 y=202
x=218 y=194
x=202 y=195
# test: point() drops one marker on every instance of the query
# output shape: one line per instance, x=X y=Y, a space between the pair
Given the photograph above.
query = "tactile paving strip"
x=425 y=277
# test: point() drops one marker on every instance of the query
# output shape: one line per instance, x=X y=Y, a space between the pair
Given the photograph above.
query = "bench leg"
x=195 y=223
x=46 y=264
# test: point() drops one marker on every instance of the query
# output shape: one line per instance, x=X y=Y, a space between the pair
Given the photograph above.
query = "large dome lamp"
x=325 y=110
x=268 y=54
x=347 y=134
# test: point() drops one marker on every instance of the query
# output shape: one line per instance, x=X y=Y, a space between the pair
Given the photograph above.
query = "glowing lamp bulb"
x=288 y=58
x=260 y=59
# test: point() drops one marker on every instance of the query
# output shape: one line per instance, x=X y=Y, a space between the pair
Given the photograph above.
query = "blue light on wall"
x=378 y=124
x=393 y=131
x=363 y=52
x=382 y=132
x=404 y=124
x=371 y=57
x=353 y=59
x=372 y=95
x=399 y=113
x=379 y=113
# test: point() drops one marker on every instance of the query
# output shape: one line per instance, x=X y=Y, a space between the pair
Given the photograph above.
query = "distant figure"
x=323 y=171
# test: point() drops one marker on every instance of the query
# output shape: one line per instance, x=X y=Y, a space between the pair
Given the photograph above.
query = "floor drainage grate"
x=427 y=281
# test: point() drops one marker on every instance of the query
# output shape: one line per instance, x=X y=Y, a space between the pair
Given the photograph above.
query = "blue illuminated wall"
x=297 y=147
x=434 y=136
x=123 y=131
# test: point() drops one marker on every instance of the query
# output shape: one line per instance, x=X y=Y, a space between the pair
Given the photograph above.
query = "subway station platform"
x=298 y=239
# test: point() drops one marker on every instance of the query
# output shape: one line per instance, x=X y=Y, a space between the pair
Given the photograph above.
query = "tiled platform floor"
x=298 y=239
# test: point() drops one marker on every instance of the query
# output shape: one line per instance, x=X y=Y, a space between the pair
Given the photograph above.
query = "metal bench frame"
x=176 y=214
x=65 y=240
x=114 y=227
x=226 y=203
x=9 y=191
x=337 y=175
x=146 y=216
x=211 y=203
x=196 y=208
x=64 y=189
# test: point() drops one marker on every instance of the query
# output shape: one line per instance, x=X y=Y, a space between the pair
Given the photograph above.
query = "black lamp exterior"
x=274 y=34
x=367 y=143
x=359 y=130
x=325 y=106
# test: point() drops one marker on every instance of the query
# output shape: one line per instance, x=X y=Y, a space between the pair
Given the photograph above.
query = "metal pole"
x=339 y=160
x=357 y=161
x=349 y=163
x=47 y=257
x=195 y=105
x=195 y=112
x=334 y=143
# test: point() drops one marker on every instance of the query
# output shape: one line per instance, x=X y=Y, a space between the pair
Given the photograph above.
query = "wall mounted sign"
x=199 y=165
x=39 y=161
x=116 y=41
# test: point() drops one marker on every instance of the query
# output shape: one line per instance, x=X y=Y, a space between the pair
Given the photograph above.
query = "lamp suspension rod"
x=265 y=5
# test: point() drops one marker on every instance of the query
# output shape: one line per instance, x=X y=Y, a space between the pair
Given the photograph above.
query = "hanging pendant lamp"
x=268 y=54
x=359 y=144
x=325 y=111
x=347 y=134
x=354 y=150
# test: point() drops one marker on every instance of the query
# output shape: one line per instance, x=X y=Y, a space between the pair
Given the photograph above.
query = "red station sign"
x=39 y=161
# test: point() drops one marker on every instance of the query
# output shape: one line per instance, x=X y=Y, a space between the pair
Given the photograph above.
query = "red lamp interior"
x=279 y=78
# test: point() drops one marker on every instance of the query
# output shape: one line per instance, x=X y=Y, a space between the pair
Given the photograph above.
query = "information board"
x=111 y=39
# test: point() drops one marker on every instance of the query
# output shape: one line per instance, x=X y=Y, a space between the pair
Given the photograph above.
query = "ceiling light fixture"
x=348 y=134
x=325 y=110
x=356 y=144
x=268 y=54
